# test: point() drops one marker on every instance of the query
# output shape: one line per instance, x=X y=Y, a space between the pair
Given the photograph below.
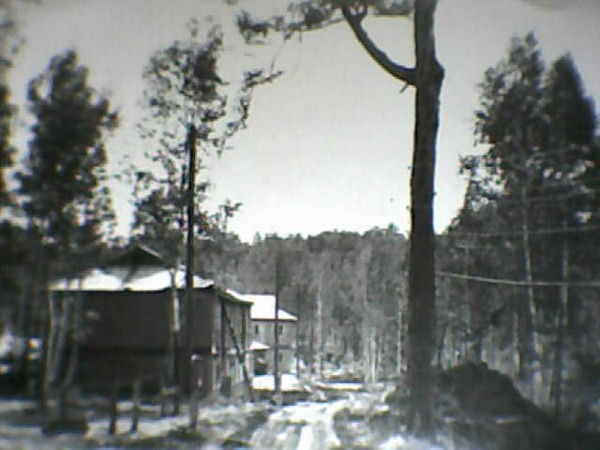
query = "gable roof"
x=140 y=279
x=263 y=307
x=138 y=255
x=139 y=269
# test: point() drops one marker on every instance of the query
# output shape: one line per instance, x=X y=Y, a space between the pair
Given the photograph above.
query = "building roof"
x=138 y=255
x=263 y=307
x=256 y=346
x=139 y=269
x=141 y=279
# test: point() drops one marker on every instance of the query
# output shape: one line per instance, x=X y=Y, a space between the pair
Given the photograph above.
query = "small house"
x=131 y=320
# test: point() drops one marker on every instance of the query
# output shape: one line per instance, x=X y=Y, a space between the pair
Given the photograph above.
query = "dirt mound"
x=481 y=408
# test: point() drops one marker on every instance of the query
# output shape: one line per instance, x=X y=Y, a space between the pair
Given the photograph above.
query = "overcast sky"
x=328 y=146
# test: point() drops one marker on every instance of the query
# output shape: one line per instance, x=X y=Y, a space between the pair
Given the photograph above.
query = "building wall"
x=127 y=338
x=126 y=320
x=263 y=331
x=229 y=369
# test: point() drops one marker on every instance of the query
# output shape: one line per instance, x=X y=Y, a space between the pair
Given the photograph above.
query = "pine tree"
x=65 y=199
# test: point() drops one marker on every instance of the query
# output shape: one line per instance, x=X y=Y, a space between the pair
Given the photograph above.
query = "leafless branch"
x=406 y=74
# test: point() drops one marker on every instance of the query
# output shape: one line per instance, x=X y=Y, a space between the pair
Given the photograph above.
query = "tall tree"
x=186 y=88
x=6 y=149
x=426 y=77
x=510 y=121
x=540 y=129
x=65 y=199
x=187 y=96
x=7 y=34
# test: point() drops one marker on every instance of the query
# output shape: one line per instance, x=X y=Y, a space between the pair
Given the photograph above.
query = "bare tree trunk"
x=44 y=330
x=174 y=370
x=276 y=369
x=367 y=332
x=421 y=277
x=75 y=330
x=297 y=349
x=114 y=409
x=527 y=313
x=51 y=339
x=311 y=345
x=561 y=327
x=399 y=338
x=319 y=332
x=367 y=347
x=72 y=322
x=60 y=328
x=135 y=414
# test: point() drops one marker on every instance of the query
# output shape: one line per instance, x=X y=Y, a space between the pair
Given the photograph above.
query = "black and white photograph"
x=300 y=224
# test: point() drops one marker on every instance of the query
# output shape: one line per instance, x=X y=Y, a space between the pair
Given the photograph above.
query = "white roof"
x=257 y=346
x=141 y=279
x=263 y=307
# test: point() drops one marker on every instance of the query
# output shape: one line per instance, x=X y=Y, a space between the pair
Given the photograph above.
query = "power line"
x=509 y=282
x=536 y=155
x=504 y=199
x=543 y=231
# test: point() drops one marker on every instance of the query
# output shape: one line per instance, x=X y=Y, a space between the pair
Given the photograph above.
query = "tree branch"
x=406 y=74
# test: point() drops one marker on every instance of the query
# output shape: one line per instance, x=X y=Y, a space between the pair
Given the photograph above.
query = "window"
x=280 y=330
x=255 y=329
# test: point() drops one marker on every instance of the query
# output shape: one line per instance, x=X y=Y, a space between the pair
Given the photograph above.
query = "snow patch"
x=289 y=383
x=340 y=386
x=403 y=443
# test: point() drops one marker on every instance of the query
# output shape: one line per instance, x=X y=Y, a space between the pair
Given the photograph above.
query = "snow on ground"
x=19 y=429
x=289 y=383
x=216 y=423
x=304 y=426
x=340 y=386
x=404 y=443
x=147 y=427
x=342 y=423
x=309 y=426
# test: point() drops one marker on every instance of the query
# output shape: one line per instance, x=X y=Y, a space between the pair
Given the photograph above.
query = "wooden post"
x=135 y=414
x=223 y=339
x=189 y=273
x=113 y=409
x=297 y=349
x=276 y=330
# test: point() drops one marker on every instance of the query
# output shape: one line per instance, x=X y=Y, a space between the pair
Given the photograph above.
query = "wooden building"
x=262 y=315
x=131 y=327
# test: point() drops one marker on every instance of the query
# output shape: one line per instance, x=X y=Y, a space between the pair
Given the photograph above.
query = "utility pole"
x=276 y=375
x=191 y=363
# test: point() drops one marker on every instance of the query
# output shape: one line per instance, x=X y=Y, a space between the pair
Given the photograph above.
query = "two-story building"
x=262 y=314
